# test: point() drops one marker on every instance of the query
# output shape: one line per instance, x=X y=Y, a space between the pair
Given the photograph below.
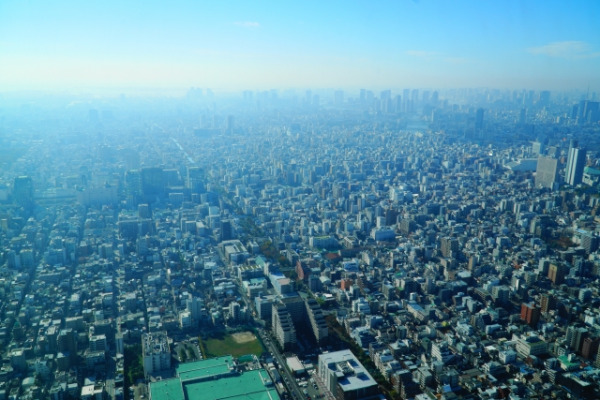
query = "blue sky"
x=233 y=45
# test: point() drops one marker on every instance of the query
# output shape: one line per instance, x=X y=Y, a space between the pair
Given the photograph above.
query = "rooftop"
x=214 y=379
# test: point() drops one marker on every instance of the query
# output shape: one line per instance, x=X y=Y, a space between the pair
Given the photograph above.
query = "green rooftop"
x=214 y=379
x=205 y=369
x=169 y=389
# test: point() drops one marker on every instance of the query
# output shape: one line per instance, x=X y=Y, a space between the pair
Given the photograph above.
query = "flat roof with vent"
x=351 y=374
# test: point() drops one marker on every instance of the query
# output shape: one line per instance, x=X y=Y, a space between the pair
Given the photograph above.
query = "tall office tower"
x=153 y=181
x=195 y=179
x=226 y=230
x=575 y=112
x=530 y=313
x=588 y=112
x=414 y=99
x=449 y=247
x=523 y=116
x=479 y=119
x=589 y=242
x=406 y=99
x=546 y=172
x=544 y=98
x=385 y=95
x=575 y=164
x=144 y=211
x=537 y=147
x=23 y=192
x=66 y=342
x=557 y=273
x=133 y=186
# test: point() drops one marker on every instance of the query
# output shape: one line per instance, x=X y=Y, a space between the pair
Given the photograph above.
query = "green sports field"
x=237 y=344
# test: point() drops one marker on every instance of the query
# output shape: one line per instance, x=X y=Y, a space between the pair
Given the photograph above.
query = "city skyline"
x=114 y=46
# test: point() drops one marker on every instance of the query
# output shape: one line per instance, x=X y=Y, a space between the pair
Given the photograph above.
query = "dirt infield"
x=243 y=337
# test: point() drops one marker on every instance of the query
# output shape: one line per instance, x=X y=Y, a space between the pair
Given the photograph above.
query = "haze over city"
x=117 y=46
x=209 y=200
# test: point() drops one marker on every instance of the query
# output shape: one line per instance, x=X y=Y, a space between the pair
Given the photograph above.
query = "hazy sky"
x=231 y=45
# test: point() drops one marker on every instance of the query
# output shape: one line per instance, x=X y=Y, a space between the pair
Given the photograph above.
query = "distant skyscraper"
x=588 y=111
x=23 y=192
x=195 y=179
x=537 y=147
x=385 y=95
x=153 y=181
x=544 y=98
x=479 y=119
x=575 y=164
x=546 y=172
x=414 y=98
x=523 y=116
x=226 y=230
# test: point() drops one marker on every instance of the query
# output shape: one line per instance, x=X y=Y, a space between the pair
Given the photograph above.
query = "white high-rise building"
x=575 y=165
x=156 y=352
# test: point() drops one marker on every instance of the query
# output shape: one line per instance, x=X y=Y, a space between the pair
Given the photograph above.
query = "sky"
x=258 y=45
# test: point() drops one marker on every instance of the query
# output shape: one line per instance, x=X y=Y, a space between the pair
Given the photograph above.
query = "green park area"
x=235 y=344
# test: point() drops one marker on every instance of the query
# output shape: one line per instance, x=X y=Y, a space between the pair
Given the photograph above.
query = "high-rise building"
x=234 y=311
x=590 y=347
x=546 y=172
x=589 y=241
x=479 y=119
x=283 y=327
x=537 y=147
x=523 y=116
x=575 y=164
x=385 y=95
x=23 y=192
x=544 y=98
x=588 y=112
x=195 y=179
x=317 y=320
x=557 y=273
x=547 y=302
x=156 y=352
x=406 y=100
x=153 y=181
x=449 y=247
x=575 y=337
x=530 y=313
x=226 y=230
